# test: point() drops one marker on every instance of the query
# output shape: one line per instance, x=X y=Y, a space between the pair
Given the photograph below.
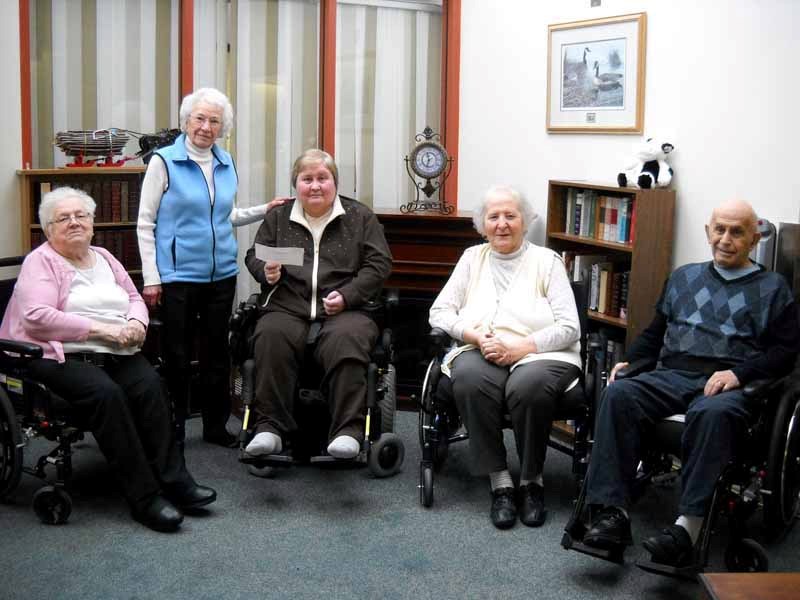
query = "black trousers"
x=342 y=350
x=123 y=405
x=484 y=392
x=627 y=413
x=188 y=310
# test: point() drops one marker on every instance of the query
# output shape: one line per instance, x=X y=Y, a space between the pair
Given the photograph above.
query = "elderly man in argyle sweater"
x=718 y=325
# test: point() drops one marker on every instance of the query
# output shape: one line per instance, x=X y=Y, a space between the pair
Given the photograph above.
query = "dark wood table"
x=751 y=586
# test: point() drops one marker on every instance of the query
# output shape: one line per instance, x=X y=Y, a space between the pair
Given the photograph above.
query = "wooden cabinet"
x=425 y=249
x=646 y=259
x=114 y=189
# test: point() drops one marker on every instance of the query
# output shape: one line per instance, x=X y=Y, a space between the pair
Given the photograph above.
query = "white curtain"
x=101 y=70
x=388 y=82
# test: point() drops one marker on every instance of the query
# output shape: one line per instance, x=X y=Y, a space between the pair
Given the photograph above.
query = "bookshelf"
x=114 y=189
x=646 y=256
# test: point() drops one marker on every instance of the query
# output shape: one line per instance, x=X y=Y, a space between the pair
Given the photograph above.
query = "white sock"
x=538 y=480
x=692 y=526
x=264 y=443
x=500 y=479
x=344 y=446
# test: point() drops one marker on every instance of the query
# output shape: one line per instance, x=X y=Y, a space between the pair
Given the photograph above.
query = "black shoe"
x=672 y=546
x=221 y=438
x=531 y=505
x=610 y=529
x=190 y=496
x=159 y=514
x=504 y=509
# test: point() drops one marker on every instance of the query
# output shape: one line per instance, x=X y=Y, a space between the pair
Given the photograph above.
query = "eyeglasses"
x=80 y=217
x=201 y=120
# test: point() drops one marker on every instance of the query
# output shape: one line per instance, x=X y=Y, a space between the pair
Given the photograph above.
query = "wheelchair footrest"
x=688 y=572
x=270 y=460
x=615 y=555
x=327 y=459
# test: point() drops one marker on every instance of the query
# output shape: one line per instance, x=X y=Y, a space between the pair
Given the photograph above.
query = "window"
x=98 y=65
x=358 y=78
x=388 y=82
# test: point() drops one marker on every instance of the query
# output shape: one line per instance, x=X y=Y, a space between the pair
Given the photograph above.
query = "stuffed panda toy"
x=648 y=168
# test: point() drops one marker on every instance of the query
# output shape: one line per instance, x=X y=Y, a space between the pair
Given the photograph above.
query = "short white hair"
x=525 y=208
x=51 y=200
x=213 y=97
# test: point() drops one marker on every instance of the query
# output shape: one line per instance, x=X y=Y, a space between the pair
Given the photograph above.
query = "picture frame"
x=596 y=75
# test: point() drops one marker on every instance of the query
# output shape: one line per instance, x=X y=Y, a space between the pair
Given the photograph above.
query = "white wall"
x=723 y=78
x=10 y=149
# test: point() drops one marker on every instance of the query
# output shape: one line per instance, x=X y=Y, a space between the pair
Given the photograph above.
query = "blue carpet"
x=313 y=533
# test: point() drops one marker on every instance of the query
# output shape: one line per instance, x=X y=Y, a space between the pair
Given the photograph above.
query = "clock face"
x=428 y=160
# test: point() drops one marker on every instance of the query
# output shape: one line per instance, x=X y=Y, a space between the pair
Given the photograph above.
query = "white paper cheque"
x=285 y=256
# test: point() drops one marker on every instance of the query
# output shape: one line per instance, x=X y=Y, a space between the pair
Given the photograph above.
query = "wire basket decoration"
x=94 y=148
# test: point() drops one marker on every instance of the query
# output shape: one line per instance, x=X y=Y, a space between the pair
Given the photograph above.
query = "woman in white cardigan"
x=511 y=309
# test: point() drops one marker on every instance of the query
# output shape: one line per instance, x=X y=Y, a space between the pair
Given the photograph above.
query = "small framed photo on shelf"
x=595 y=75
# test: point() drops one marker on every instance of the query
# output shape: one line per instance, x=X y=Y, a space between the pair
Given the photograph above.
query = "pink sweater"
x=35 y=312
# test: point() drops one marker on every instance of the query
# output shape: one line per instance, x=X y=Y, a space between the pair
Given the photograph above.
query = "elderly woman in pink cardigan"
x=78 y=303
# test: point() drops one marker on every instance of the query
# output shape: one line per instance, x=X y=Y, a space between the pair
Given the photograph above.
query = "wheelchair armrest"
x=758 y=387
x=23 y=349
x=438 y=340
x=635 y=368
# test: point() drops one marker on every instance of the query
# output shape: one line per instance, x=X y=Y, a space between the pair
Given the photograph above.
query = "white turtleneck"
x=153 y=188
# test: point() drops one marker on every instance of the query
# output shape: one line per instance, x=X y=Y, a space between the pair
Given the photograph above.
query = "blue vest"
x=194 y=239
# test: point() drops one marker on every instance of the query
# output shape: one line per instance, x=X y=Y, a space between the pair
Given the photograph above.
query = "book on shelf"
x=588 y=200
x=569 y=220
x=616 y=293
x=598 y=287
x=123 y=200
x=605 y=291
x=576 y=228
x=632 y=227
x=623 y=295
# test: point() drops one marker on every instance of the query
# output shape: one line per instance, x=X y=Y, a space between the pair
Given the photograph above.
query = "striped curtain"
x=271 y=75
x=98 y=64
x=388 y=89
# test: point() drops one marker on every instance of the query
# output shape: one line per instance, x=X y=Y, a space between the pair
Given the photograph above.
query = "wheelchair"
x=29 y=410
x=382 y=451
x=440 y=424
x=765 y=475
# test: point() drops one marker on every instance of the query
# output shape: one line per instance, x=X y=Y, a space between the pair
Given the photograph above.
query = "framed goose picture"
x=595 y=75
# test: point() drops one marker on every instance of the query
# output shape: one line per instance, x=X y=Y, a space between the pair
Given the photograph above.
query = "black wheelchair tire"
x=387 y=403
x=746 y=555
x=781 y=506
x=10 y=447
x=425 y=407
x=52 y=505
x=425 y=486
x=386 y=455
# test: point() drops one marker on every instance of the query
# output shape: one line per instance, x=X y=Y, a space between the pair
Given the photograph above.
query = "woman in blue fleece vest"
x=186 y=218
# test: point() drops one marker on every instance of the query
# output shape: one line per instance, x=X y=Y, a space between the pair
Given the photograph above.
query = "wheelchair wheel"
x=746 y=556
x=425 y=485
x=386 y=455
x=10 y=447
x=52 y=505
x=387 y=404
x=783 y=468
x=426 y=403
